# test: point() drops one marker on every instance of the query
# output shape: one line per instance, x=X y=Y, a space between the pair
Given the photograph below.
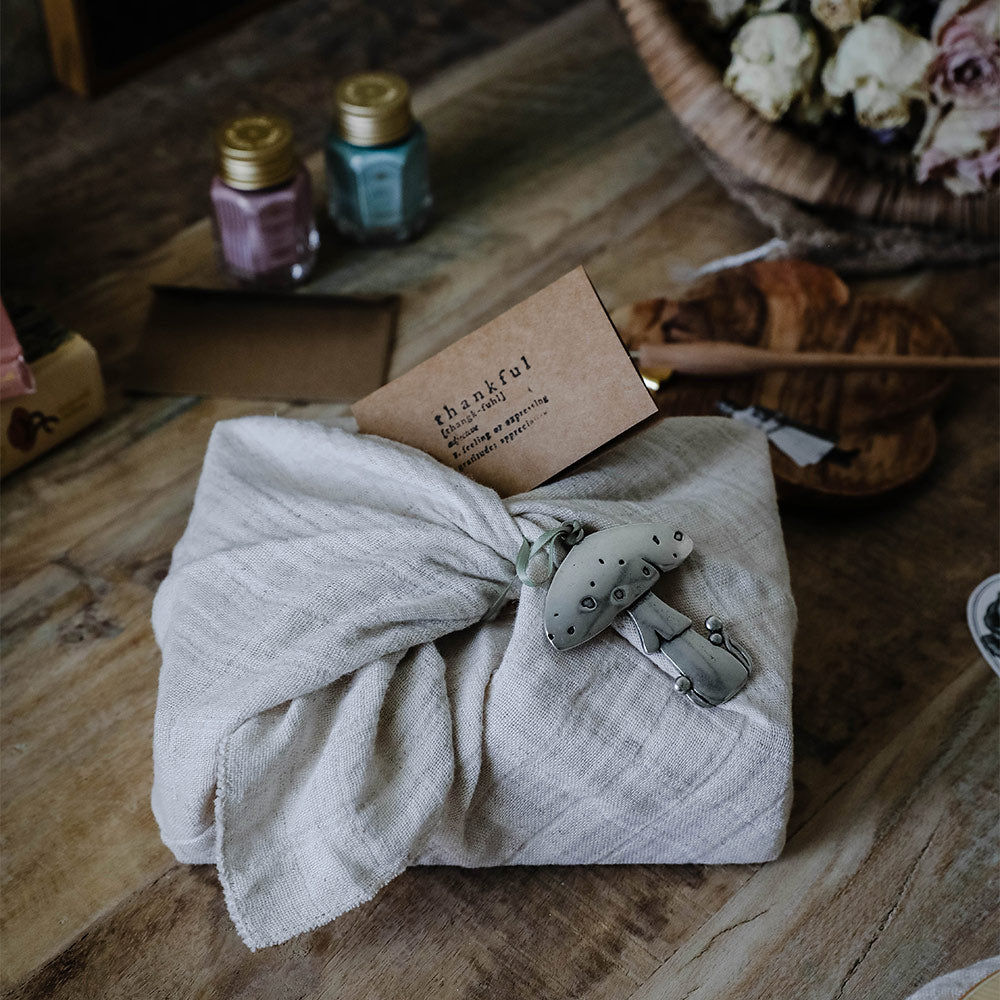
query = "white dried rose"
x=837 y=14
x=882 y=65
x=774 y=62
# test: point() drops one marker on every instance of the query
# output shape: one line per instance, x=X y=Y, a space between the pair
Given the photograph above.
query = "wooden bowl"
x=777 y=157
x=881 y=420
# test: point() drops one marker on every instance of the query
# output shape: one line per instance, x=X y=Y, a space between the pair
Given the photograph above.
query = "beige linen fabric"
x=958 y=985
x=330 y=709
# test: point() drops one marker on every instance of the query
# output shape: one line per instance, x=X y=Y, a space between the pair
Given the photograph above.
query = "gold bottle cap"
x=255 y=151
x=373 y=109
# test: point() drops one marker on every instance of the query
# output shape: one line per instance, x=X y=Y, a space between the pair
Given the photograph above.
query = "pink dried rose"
x=965 y=70
x=960 y=147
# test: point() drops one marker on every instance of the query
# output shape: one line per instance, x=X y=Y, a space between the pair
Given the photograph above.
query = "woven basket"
x=759 y=161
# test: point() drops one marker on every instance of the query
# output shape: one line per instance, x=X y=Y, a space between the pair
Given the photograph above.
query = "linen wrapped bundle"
x=332 y=708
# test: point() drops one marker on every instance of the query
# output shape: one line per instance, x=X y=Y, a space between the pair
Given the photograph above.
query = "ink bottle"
x=376 y=161
x=264 y=222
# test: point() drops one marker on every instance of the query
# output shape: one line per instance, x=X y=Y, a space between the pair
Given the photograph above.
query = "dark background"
x=89 y=184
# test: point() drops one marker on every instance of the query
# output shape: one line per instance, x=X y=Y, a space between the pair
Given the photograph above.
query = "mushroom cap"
x=605 y=574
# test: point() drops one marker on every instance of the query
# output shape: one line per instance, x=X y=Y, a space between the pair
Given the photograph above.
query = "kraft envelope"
x=214 y=342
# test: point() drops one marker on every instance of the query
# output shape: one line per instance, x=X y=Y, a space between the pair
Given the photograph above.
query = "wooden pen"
x=716 y=357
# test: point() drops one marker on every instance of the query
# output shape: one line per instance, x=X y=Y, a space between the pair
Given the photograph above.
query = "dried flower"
x=882 y=65
x=774 y=62
x=884 y=69
x=837 y=14
x=966 y=66
x=961 y=147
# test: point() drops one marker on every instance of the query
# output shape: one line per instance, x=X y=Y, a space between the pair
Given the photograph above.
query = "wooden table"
x=552 y=151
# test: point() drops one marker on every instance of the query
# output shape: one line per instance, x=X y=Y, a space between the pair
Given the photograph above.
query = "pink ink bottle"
x=264 y=221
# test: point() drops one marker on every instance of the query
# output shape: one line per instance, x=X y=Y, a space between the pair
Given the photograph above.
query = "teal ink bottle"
x=376 y=161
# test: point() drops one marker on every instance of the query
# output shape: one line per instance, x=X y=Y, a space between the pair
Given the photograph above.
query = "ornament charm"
x=611 y=572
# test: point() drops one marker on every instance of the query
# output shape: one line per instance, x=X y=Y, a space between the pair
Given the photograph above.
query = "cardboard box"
x=69 y=395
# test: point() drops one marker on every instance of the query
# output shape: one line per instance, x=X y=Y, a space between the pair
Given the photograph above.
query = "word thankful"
x=486 y=397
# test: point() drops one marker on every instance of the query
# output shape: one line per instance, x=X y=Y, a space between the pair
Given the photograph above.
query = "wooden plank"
x=814 y=923
x=69 y=44
x=555 y=151
x=87 y=534
x=132 y=169
x=81 y=62
x=434 y=933
x=900 y=861
x=80 y=673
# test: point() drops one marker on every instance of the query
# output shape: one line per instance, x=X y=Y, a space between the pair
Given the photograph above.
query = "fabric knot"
x=570 y=532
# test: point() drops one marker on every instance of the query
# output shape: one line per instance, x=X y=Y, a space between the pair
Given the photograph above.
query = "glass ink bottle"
x=376 y=160
x=262 y=195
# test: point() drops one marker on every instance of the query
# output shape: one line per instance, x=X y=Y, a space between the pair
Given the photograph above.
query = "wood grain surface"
x=549 y=152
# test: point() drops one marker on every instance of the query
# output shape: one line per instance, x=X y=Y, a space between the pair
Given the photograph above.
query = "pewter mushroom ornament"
x=612 y=571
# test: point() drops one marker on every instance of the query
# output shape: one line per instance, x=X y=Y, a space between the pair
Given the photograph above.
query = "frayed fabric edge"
x=248 y=935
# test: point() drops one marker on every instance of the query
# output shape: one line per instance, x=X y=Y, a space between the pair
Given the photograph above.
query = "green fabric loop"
x=571 y=532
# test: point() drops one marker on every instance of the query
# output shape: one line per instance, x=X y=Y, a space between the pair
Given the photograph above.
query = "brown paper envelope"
x=208 y=342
